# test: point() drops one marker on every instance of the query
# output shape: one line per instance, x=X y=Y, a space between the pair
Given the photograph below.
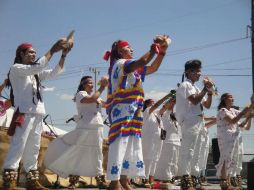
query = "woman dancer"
x=151 y=137
x=227 y=119
x=5 y=104
x=79 y=152
x=167 y=168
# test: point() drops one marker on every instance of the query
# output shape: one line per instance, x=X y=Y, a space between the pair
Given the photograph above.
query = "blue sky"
x=212 y=31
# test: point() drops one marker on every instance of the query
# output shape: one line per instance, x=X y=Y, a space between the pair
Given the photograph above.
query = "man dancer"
x=26 y=127
x=189 y=113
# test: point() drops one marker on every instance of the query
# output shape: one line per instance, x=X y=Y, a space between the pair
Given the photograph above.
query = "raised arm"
x=161 y=54
x=159 y=46
x=235 y=119
x=158 y=103
x=141 y=62
x=94 y=97
x=61 y=44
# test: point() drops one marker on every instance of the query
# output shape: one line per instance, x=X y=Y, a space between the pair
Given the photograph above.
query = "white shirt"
x=89 y=113
x=24 y=84
x=150 y=124
x=184 y=108
x=173 y=129
x=223 y=125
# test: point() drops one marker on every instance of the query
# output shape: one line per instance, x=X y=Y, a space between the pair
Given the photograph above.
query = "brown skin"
x=229 y=103
x=2 y=86
x=127 y=53
x=210 y=121
x=28 y=57
x=194 y=75
x=93 y=98
x=168 y=106
x=158 y=103
x=232 y=120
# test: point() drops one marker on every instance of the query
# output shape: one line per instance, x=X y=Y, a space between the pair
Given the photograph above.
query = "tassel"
x=107 y=55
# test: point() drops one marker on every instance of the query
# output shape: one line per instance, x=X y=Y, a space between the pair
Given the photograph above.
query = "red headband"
x=22 y=47
x=122 y=44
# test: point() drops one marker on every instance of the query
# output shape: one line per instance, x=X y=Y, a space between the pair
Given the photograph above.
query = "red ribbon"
x=107 y=55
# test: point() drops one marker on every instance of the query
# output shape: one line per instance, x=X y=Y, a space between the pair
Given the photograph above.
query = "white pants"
x=25 y=144
x=125 y=158
x=151 y=159
x=168 y=163
x=204 y=151
x=190 y=135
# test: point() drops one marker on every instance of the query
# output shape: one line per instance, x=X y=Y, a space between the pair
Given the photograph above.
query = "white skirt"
x=78 y=152
x=168 y=163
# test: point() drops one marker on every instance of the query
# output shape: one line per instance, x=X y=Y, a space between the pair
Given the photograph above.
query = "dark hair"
x=191 y=65
x=81 y=83
x=18 y=59
x=172 y=116
x=146 y=103
x=222 y=103
x=114 y=52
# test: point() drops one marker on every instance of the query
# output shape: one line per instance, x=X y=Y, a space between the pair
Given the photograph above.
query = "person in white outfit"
x=79 y=152
x=235 y=179
x=5 y=104
x=227 y=134
x=204 y=148
x=151 y=136
x=189 y=113
x=26 y=95
x=167 y=168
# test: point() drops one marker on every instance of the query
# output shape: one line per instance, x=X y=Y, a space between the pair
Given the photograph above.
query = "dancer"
x=189 y=113
x=5 y=104
x=236 y=180
x=125 y=103
x=79 y=152
x=227 y=123
x=204 y=148
x=151 y=137
x=25 y=76
x=167 y=168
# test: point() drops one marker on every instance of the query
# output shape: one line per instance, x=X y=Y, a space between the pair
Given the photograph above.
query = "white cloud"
x=66 y=97
x=156 y=95
x=49 y=89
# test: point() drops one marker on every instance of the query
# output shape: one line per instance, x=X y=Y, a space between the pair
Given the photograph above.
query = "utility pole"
x=96 y=72
x=252 y=41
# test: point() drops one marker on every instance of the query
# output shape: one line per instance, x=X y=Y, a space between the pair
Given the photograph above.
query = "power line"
x=183 y=51
x=186 y=50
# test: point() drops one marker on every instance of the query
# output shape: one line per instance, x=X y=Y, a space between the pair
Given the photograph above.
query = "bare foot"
x=115 y=185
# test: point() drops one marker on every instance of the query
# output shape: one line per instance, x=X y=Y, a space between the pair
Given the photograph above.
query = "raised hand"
x=104 y=81
x=208 y=83
x=59 y=45
x=163 y=41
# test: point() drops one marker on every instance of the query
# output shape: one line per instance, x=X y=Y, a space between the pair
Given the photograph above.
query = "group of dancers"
x=147 y=140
